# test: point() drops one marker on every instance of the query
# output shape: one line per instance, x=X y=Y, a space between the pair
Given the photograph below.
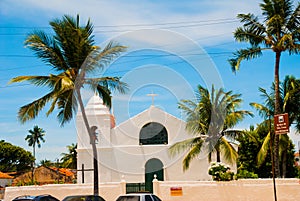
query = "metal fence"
x=135 y=187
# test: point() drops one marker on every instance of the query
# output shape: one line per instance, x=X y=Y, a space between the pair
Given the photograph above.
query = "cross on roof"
x=152 y=95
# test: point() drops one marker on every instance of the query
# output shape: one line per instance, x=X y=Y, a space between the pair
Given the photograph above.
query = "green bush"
x=220 y=172
x=246 y=174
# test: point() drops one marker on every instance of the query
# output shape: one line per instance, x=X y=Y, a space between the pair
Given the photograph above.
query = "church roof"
x=152 y=113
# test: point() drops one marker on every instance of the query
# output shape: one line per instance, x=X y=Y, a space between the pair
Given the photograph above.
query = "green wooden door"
x=153 y=167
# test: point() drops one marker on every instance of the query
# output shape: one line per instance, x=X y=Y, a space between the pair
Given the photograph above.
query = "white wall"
x=108 y=191
x=240 y=190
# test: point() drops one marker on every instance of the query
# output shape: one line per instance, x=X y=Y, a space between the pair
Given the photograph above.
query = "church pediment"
x=130 y=131
x=152 y=114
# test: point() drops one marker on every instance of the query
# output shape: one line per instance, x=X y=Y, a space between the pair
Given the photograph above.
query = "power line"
x=148 y=56
x=120 y=28
x=128 y=25
x=122 y=71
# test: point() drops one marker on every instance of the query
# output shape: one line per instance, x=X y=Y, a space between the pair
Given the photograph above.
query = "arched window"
x=153 y=133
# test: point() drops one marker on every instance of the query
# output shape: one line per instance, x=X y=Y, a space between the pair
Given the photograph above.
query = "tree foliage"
x=72 y=53
x=210 y=119
x=35 y=137
x=289 y=101
x=69 y=160
x=14 y=158
x=250 y=147
x=278 y=30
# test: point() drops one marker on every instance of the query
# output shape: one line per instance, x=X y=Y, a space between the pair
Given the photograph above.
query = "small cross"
x=152 y=95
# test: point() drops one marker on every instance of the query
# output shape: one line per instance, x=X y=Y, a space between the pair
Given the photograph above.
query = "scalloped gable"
x=153 y=113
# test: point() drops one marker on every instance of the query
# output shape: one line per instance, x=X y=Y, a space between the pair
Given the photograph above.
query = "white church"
x=136 y=149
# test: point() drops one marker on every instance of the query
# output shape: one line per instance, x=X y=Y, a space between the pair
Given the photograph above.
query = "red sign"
x=176 y=191
x=281 y=123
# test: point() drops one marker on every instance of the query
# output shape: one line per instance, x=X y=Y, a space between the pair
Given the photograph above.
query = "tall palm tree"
x=279 y=31
x=210 y=119
x=289 y=101
x=35 y=137
x=72 y=53
x=69 y=160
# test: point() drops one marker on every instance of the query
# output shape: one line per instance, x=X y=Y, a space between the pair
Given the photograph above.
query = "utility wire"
x=120 y=28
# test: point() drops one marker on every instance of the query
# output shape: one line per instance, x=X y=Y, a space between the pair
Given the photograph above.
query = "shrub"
x=246 y=174
x=220 y=172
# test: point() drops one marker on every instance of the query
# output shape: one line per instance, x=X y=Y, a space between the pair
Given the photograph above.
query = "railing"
x=135 y=187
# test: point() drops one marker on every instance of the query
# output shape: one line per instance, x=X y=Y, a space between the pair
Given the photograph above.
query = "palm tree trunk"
x=218 y=154
x=277 y=111
x=92 y=140
x=33 y=165
x=283 y=165
x=33 y=147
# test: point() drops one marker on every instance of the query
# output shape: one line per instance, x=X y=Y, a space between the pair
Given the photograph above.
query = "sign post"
x=281 y=123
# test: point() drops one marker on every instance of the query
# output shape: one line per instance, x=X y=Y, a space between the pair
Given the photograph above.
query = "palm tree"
x=210 y=118
x=279 y=32
x=35 y=137
x=72 y=53
x=69 y=160
x=289 y=103
x=46 y=163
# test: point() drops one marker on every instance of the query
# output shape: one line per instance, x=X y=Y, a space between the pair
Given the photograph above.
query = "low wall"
x=240 y=190
x=109 y=191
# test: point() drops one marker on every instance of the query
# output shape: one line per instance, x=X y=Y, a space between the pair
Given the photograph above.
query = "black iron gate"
x=135 y=187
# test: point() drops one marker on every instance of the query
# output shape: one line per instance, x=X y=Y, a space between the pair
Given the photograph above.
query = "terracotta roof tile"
x=65 y=171
x=5 y=176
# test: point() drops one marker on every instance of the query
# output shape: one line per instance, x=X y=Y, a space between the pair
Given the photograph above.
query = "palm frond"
x=36 y=80
x=244 y=54
x=98 y=59
x=193 y=152
x=46 y=49
x=263 y=111
x=31 y=110
x=229 y=153
x=111 y=83
x=67 y=106
x=185 y=145
x=262 y=154
x=252 y=31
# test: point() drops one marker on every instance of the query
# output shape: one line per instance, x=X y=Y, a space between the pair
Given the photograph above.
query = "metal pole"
x=82 y=173
x=272 y=157
x=57 y=170
x=298 y=153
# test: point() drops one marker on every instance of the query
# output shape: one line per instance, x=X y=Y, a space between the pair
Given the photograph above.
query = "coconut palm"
x=35 y=137
x=72 y=53
x=279 y=31
x=46 y=163
x=69 y=160
x=210 y=118
x=289 y=103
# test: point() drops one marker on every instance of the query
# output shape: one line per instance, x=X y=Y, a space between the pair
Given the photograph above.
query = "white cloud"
x=117 y=13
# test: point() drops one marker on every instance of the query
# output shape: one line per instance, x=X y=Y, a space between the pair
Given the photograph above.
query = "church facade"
x=136 y=149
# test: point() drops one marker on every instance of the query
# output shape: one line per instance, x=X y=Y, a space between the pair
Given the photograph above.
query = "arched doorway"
x=152 y=167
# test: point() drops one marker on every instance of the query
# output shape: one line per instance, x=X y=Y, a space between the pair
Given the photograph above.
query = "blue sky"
x=172 y=47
